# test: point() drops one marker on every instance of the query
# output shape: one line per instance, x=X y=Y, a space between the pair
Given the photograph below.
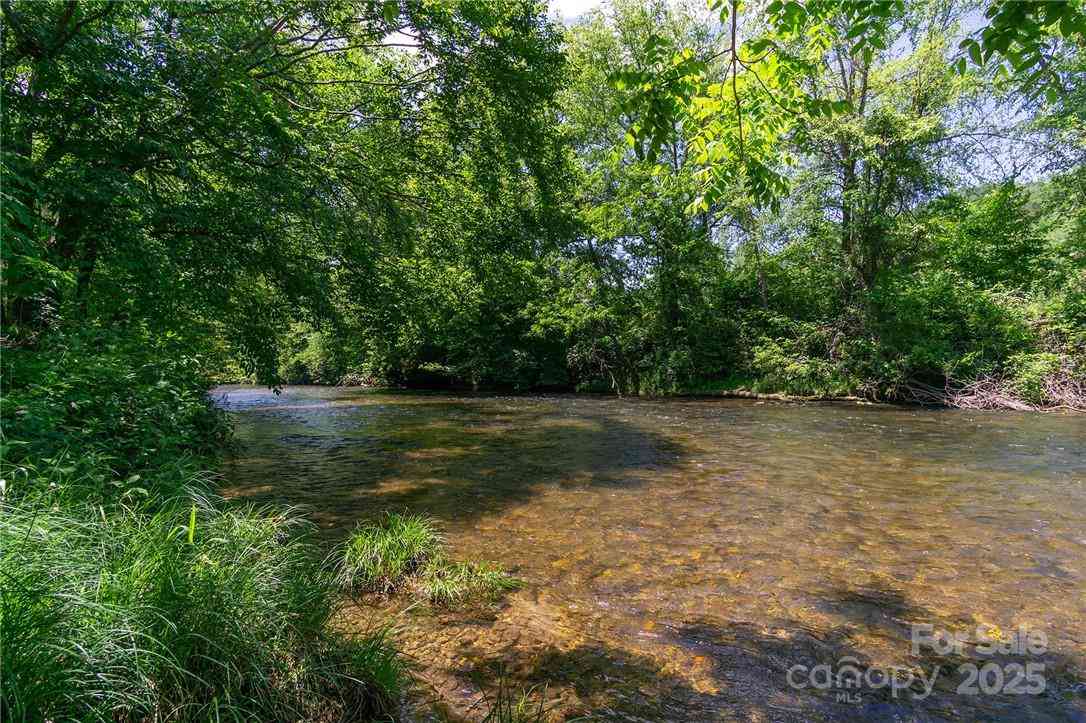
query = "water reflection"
x=682 y=555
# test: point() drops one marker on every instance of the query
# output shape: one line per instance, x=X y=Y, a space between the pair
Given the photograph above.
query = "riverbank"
x=1067 y=395
x=131 y=591
x=988 y=395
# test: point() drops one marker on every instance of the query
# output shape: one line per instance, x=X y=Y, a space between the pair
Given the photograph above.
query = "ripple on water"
x=681 y=555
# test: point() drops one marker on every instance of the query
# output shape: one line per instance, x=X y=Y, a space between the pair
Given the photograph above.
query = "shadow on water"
x=776 y=669
x=729 y=670
x=453 y=459
x=680 y=558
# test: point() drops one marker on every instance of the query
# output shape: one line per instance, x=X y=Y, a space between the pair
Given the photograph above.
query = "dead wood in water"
x=1062 y=390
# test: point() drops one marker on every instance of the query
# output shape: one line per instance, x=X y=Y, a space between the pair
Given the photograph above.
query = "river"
x=706 y=559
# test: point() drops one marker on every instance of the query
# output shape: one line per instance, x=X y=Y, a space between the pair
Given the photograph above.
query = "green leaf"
x=974 y=53
x=856 y=31
x=390 y=10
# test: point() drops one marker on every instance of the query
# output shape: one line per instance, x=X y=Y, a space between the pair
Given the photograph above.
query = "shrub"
x=1066 y=311
x=1030 y=372
x=800 y=365
x=934 y=324
x=109 y=411
x=191 y=613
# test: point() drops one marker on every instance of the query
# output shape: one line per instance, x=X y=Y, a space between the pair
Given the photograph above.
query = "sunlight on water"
x=682 y=556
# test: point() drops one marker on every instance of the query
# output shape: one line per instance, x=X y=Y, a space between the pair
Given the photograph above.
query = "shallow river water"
x=706 y=559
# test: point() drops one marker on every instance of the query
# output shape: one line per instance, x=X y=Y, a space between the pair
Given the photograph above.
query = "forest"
x=883 y=201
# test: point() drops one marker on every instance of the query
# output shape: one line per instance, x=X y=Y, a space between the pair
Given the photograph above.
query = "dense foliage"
x=179 y=165
x=919 y=229
x=812 y=199
x=828 y=198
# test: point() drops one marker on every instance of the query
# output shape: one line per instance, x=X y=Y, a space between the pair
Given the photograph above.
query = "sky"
x=570 y=10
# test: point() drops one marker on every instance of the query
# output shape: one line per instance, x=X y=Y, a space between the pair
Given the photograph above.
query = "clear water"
x=681 y=557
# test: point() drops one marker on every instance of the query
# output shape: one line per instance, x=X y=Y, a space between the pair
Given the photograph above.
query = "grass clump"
x=509 y=706
x=378 y=557
x=186 y=613
x=448 y=582
x=404 y=549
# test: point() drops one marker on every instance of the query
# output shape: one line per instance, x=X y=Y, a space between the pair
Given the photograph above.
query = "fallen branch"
x=1062 y=390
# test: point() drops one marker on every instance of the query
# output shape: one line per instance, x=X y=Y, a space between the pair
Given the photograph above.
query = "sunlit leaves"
x=738 y=125
x=743 y=117
x=1020 y=38
x=658 y=89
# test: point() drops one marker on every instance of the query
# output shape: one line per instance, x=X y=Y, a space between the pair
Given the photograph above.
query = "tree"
x=636 y=277
x=769 y=50
x=212 y=161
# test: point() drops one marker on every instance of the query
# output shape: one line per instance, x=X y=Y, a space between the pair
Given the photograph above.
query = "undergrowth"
x=187 y=613
x=128 y=594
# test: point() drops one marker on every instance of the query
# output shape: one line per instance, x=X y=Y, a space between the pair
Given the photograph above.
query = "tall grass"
x=119 y=616
x=124 y=594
